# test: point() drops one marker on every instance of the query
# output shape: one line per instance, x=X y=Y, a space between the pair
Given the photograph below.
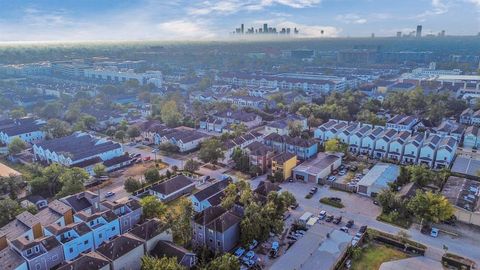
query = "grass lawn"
x=374 y=255
x=399 y=222
x=330 y=202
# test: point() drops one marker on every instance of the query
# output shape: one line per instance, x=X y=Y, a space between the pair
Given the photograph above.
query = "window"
x=99 y=235
x=71 y=250
x=219 y=243
x=113 y=228
x=29 y=251
x=54 y=257
x=211 y=240
x=85 y=242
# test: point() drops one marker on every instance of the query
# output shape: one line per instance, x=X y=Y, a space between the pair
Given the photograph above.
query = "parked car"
x=301 y=232
x=250 y=255
x=294 y=206
x=341 y=167
x=239 y=252
x=109 y=194
x=434 y=232
x=375 y=202
x=335 y=172
x=350 y=223
x=248 y=262
x=147 y=158
x=353 y=168
x=337 y=220
x=253 y=245
x=363 y=229
x=314 y=190
x=332 y=178
x=292 y=237
x=344 y=229
x=329 y=218
x=322 y=214
x=274 y=250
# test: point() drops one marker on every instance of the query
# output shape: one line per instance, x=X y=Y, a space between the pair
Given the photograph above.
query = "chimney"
x=3 y=242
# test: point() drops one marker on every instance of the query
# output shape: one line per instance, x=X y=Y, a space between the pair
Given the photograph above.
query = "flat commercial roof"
x=466 y=165
x=380 y=174
x=7 y=171
x=320 y=163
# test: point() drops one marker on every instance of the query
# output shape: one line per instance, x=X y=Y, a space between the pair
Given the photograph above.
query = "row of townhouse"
x=249 y=101
x=470 y=117
x=81 y=150
x=240 y=142
x=28 y=130
x=304 y=149
x=184 y=139
x=220 y=122
x=405 y=146
x=283 y=81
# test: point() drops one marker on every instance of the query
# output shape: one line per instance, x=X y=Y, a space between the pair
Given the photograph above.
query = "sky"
x=102 y=20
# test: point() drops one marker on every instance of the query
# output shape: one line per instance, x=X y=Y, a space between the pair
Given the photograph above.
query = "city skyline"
x=212 y=20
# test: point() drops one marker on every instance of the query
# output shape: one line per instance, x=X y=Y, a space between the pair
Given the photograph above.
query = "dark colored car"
x=363 y=229
x=294 y=206
x=329 y=218
x=350 y=224
x=337 y=220
x=353 y=168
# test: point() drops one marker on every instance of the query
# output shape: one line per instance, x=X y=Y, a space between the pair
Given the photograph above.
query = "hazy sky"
x=49 y=20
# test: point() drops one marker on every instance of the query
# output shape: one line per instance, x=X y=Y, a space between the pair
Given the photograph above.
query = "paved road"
x=147 y=152
x=362 y=210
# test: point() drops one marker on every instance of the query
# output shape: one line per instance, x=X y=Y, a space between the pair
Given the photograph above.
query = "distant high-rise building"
x=243 y=28
x=419 y=31
x=265 y=28
x=442 y=33
x=399 y=34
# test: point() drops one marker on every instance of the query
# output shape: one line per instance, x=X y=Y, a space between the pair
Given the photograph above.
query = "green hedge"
x=330 y=202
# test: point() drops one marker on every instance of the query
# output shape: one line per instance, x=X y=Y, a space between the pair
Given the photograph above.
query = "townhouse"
x=78 y=149
x=281 y=126
x=472 y=137
x=82 y=201
x=470 y=117
x=28 y=130
x=75 y=238
x=382 y=143
x=260 y=155
x=104 y=225
x=401 y=122
x=355 y=140
x=172 y=188
x=240 y=142
x=451 y=128
x=302 y=148
x=446 y=152
x=411 y=149
x=128 y=211
x=333 y=132
x=123 y=252
x=212 y=124
x=368 y=142
x=284 y=164
x=344 y=135
x=149 y=128
x=249 y=101
x=151 y=231
x=90 y=260
x=216 y=229
x=319 y=132
x=42 y=253
x=184 y=139
x=429 y=149
x=209 y=196
x=397 y=146
x=10 y=258
x=249 y=119
x=168 y=249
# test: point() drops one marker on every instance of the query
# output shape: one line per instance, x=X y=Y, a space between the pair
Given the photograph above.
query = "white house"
x=319 y=133
x=383 y=142
x=395 y=150
x=344 y=135
x=429 y=150
x=411 y=149
x=446 y=152
x=173 y=188
x=28 y=130
x=356 y=138
x=368 y=142
x=401 y=122
x=378 y=178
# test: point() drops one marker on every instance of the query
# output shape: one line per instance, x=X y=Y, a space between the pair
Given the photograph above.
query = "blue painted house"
x=104 y=225
x=209 y=196
x=472 y=137
x=75 y=238
x=302 y=148
x=28 y=130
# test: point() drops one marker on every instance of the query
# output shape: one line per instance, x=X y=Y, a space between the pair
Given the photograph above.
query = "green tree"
x=191 y=165
x=57 y=128
x=11 y=185
x=88 y=121
x=133 y=132
x=230 y=196
x=152 y=175
x=8 y=210
x=132 y=184
x=72 y=181
x=170 y=114
x=210 y=151
x=421 y=175
x=18 y=113
x=52 y=110
x=387 y=200
x=241 y=160
x=181 y=225
x=120 y=135
x=295 y=128
x=334 y=145
x=16 y=146
x=153 y=208
x=430 y=207
x=164 y=263
x=100 y=170
x=225 y=262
